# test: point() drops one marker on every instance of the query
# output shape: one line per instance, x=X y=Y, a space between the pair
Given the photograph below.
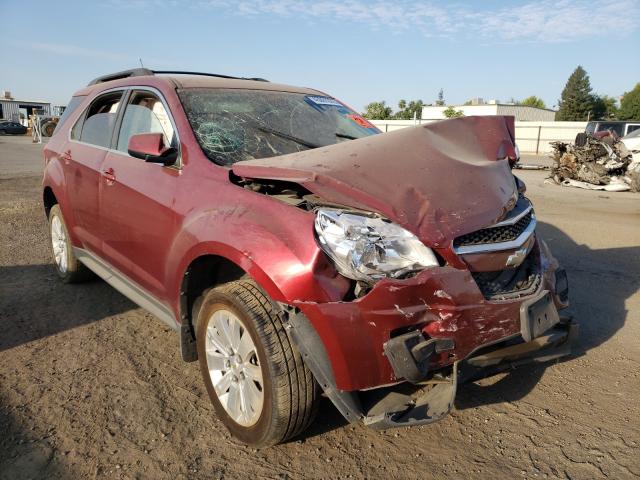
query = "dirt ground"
x=92 y=386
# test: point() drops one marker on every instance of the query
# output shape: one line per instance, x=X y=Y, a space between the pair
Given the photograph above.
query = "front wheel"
x=259 y=386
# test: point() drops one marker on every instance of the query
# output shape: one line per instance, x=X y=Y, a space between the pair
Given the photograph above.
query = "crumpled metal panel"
x=444 y=302
x=438 y=180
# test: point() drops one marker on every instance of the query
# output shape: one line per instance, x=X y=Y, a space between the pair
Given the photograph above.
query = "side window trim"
x=141 y=88
x=124 y=102
x=83 y=116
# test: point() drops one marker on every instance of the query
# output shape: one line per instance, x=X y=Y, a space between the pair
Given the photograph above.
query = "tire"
x=3 y=132
x=289 y=392
x=48 y=129
x=581 y=139
x=69 y=269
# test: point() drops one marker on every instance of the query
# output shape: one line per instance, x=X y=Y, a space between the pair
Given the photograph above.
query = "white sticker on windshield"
x=324 y=101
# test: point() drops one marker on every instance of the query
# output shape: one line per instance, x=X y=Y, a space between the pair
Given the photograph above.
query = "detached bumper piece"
x=551 y=345
x=409 y=354
x=426 y=404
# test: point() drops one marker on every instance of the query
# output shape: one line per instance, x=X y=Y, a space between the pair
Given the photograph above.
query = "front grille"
x=511 y=282
x=504 y=233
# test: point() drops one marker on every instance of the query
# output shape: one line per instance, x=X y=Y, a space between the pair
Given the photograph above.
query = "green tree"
x=378 y=111
x=630 y=105
x=533 y=101
x=407 y=111
x=440 y=101
x=576 y=102
x=451 y=112
x=604 y=107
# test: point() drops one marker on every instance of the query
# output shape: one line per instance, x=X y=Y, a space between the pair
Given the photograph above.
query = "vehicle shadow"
x=34 y=304
x=328 y=419
x=600 y=281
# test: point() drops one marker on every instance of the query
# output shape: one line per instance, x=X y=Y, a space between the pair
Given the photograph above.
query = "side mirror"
x=150 y=147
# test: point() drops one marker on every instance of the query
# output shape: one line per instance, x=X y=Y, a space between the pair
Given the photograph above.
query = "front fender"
x=271 y=241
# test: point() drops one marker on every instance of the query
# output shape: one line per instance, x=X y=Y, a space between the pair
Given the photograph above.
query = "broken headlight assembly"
x=368 y=248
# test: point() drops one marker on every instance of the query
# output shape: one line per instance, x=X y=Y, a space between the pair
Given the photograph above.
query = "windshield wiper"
x=344 y=135
x=278 y=133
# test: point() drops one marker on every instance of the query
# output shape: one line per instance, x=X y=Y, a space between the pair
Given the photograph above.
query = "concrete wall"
x=532 y=137
x=391 y=125
x=536 y=137
x=436 y=113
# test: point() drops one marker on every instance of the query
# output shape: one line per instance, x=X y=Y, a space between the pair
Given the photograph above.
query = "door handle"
x=109 y=175
x=66 y=157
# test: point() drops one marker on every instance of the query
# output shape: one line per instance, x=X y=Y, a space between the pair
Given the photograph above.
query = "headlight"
x=368 y=248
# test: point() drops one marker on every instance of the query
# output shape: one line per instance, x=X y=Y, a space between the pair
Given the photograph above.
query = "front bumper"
x=442 y=304
x=428 y=400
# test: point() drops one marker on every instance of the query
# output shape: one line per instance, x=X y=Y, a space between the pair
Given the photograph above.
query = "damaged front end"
x=449 y=279
x=412 y=338
x=420 y=337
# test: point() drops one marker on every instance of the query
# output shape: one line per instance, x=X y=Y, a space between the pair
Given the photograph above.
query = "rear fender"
x=54 y=179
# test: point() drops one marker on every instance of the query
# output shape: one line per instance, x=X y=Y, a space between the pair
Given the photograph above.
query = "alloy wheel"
x=234 y=367
x=59 y=243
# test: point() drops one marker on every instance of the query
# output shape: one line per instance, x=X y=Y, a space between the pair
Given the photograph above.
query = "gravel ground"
x=92 y=386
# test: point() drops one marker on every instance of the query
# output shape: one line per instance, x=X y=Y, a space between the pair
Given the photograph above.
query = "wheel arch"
x=209 y=268
x=49 y=199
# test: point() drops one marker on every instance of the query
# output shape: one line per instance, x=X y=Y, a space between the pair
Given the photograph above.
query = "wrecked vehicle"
x=632 y=142
x=595 y=162
x=294 y=248
x=619 y=127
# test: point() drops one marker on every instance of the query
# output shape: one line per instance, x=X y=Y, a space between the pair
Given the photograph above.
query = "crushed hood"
x=438 y=180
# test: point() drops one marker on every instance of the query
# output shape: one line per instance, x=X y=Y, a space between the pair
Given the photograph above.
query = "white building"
x=520 y=112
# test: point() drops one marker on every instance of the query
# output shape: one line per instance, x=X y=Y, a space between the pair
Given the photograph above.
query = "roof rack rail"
x=140 y=72
x=181 y=72
x=134 y=72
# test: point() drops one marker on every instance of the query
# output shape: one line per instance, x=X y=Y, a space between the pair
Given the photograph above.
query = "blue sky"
x=356 y=50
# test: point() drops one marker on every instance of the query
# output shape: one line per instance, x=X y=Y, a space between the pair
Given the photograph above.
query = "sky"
x=356 y=50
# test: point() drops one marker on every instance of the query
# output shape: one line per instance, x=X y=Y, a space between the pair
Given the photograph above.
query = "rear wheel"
x=48 y=129
x=581 y=139
x=67 y=265
x=254 y=375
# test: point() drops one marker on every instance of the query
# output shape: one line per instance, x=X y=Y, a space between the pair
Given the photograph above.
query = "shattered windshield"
x=235 y=125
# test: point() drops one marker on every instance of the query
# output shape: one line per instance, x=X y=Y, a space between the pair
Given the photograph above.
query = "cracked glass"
x=234 y=125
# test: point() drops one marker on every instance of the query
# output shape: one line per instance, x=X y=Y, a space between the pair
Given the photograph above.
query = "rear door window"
x=145 y=113
x=73 y=105
x=96 y=126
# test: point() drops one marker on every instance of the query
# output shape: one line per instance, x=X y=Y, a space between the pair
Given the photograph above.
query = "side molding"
x=127 y=287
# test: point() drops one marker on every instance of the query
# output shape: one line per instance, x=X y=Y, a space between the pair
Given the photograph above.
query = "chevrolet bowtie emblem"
x=517 y=257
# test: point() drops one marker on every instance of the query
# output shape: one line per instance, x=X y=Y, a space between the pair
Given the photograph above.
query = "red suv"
x=293 y=247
